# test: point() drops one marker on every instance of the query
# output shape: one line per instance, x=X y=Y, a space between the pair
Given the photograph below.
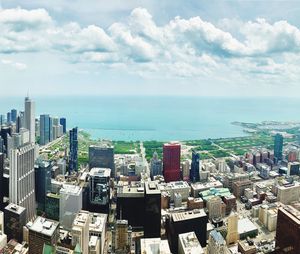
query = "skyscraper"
x=42 y=172
x=44 y=129
x=1 y=179
x=278 y=145
x=102 y=157
x=73 y=155
x=171 y=162
x=21 y=180
x=288 y=230
x=63 y=122
x=155 y=166
x=13 y=115
x=30 y=118
x=195 y=167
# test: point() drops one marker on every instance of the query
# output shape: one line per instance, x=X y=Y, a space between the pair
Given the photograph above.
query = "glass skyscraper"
x=73 y=155
x=278 y=145
x=45 y=126
x=195 y=167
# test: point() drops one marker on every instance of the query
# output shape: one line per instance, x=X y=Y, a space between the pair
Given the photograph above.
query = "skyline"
x=232 y=48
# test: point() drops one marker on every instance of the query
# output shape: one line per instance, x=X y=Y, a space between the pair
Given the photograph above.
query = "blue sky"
x=97 y=47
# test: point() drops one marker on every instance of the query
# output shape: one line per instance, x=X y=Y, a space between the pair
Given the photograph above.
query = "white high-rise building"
x=21 y=179
x=30 y=118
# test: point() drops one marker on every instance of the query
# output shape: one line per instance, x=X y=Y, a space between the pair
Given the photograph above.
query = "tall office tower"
x=42 y=172
x=63 y=122
x=13 y=115
x=21 y=179
x=152 y=210
x=1 y=145
x=232 y=230
x=44 y=129
x=30 y=118
x=73 y=154
x=8 y=118
x=171 y=162
x=278 y=145
x=287 y=231
x=155 y=165
x=70 y=204
x=1 y=180
x=185 y=167
x=195 y=167
x=50 y=129
x=15 y=220
x=184 y=222
x=42 y=231
x=80 y=231
x=99 y=189
x=4 y=133
x=216 y=243
x=102 y=157
x=22 y=118
x=2 y=120
x=18 y=124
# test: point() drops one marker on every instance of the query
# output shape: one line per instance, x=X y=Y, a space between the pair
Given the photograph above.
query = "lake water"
x=161 y=118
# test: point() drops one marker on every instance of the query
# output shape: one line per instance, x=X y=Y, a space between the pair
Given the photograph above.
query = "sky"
x=170 y=47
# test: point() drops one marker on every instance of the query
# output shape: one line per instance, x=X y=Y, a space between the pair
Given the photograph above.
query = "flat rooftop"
x=15 y=208
x=208 y=185
x=70 y=189
x=190 y=243
x=152 y=188
x=130 y=191
x=100 y=172
x=197 y=213
x=97 y=222
x=245 y=225
x=43 y=226
x=154 y=246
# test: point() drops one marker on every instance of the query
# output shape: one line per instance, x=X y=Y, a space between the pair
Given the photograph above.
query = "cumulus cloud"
x=182 y=47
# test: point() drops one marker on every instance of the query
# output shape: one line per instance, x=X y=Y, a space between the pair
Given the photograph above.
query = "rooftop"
x=100 y=172
x=15 y=208
x=218 y=238
x=70 y=189
x=154 y=246
x=43 y=226
x=197 y=213
x=245 y=225
x=190 y=243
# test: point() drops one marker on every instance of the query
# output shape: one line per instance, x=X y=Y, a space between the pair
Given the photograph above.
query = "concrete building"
x=42 y=231
x=70 y=204
x=22 y=179
x=178 y=187
x=97 y=228
x=246 y=247
x=14 y=247
x=155 y=166
x=30 y=118
x=288 y=193
x=99 y=196
x=154 y=246
x=240 y=186
x=80 y=231
x=216 y=243
x=196 y=188
x=246 y=228
x=216 y=208
x=232 y=229
x=189 y=244
x=94 y=245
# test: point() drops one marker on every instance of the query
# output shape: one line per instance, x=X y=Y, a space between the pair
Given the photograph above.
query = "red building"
x=288 y=231
x=171 y=162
